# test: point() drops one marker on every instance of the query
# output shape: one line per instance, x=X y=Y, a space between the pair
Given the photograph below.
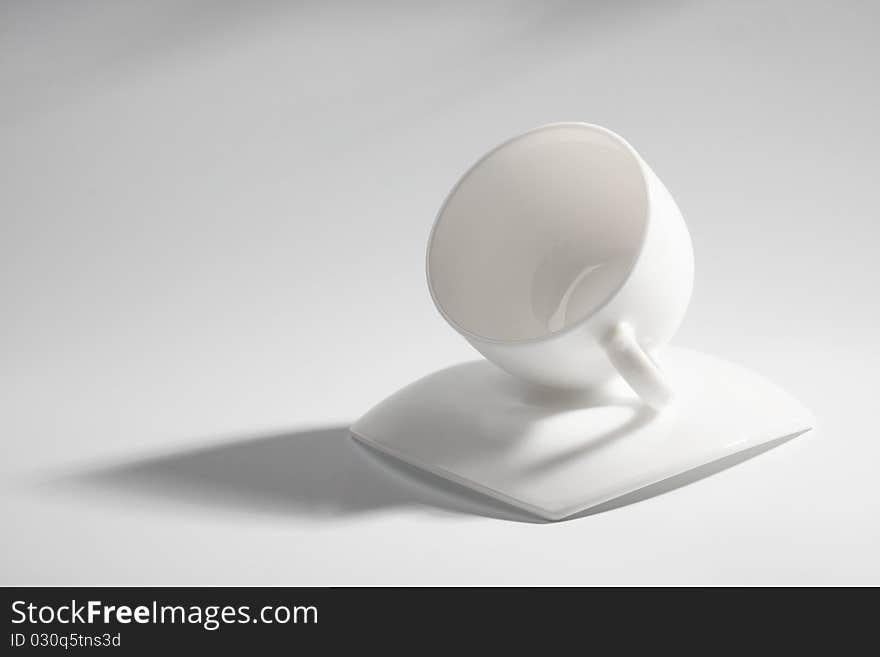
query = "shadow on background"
x=325 y=473
x=315 y=472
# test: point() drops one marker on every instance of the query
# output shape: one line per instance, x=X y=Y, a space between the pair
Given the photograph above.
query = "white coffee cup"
x=563 y=259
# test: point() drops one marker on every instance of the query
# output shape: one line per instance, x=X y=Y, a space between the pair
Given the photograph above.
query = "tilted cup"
x=563 y=259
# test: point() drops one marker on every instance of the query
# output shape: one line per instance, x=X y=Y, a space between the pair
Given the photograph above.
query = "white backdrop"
x=212 y=229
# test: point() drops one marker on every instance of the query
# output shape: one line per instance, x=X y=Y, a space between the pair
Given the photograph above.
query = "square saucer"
x=556 y=453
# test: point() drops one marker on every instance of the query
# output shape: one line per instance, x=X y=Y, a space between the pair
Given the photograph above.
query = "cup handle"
x=637 y=367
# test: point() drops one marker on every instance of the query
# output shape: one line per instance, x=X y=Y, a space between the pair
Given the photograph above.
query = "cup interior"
x=538 y=234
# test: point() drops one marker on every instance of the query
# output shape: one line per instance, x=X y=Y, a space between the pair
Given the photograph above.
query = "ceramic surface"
x=561 y=257
x=555 y=453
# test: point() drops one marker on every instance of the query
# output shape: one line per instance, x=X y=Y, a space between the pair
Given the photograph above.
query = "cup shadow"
x=317 y=473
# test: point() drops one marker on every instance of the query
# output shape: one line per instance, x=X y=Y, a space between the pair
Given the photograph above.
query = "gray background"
x=213 y=227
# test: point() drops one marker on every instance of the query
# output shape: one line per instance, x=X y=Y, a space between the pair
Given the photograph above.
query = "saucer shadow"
x=322 y=473
x=315 y=473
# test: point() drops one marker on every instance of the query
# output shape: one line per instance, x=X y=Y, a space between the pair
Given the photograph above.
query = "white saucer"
x=556 y=453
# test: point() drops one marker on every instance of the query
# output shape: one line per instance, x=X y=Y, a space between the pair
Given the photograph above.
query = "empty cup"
x=563 y=259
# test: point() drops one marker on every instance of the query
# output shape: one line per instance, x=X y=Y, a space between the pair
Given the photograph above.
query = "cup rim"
x=640 y=165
